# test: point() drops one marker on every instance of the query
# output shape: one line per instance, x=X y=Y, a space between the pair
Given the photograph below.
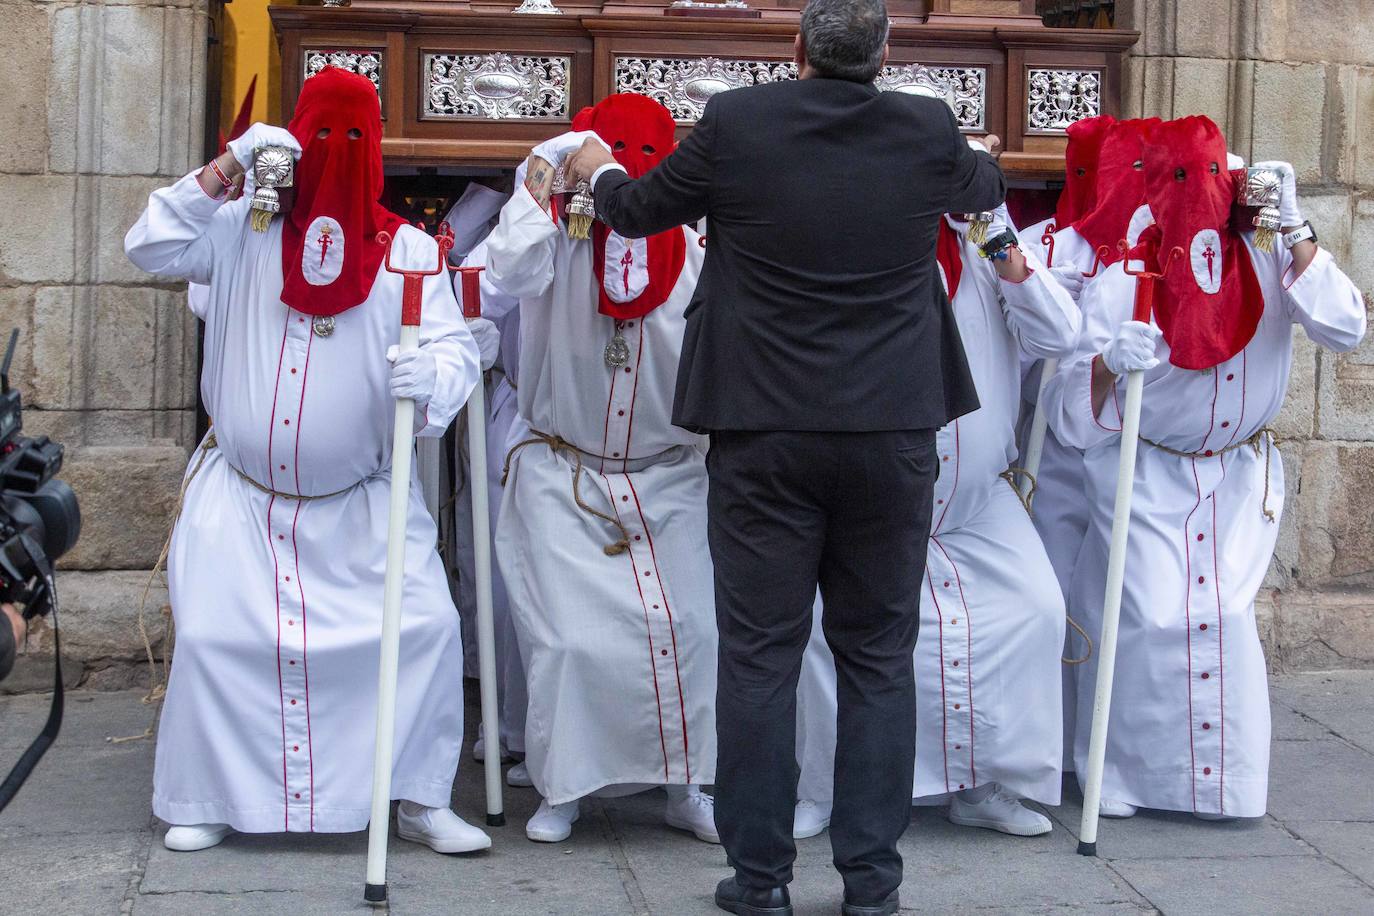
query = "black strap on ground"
x=10 y=787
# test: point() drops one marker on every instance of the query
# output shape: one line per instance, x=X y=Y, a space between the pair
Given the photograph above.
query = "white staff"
x=402 y=447
x=1035 y=442
x=1116 y=566
x=481 y=540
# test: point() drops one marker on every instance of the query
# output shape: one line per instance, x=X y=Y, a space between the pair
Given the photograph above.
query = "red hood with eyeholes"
x=1120 y=189
x=1080 y=169
x=1210 y=302
x=642 y=272
x=330 y=255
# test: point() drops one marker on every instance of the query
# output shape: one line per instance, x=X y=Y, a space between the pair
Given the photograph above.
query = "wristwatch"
x=997 y=248
x=1300 y=234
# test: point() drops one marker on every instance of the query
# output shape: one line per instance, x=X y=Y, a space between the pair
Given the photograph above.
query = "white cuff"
x=608 y=167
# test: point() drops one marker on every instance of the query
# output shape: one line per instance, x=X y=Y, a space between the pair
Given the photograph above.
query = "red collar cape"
x=1210 y=302
x=949 y=258
x=1080 y=169
x=634 y=276
x=329 y=252
x=1120 y=189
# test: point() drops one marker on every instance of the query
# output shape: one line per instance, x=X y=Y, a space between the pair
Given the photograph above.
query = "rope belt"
x=561 y=446
x=211 y=442
x=1265 y=435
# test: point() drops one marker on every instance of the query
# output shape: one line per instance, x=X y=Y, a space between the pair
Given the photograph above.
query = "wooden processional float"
x=467 y=83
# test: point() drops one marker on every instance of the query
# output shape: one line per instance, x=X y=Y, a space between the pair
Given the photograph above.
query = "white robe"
x=619 y=651
x=268 y=722
x=992 y=615
x=1189 y=727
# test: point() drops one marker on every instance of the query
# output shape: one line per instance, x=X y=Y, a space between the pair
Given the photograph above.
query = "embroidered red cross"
x=626 y=261
x=325 y=241
x=1210 y=254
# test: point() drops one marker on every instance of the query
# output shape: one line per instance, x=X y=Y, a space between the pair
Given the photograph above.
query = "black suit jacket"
x=819 y=307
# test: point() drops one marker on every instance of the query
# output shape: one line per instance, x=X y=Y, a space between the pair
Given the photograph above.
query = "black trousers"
x=850 y=512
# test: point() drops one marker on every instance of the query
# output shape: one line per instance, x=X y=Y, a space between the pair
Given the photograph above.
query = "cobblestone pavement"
x=80 y=839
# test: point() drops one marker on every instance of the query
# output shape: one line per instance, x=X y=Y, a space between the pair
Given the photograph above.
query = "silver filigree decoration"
x=495 y=86
x=363 y=63
x=543 y=7
x=963 y=89
x=1057 y=98
x=685 y=85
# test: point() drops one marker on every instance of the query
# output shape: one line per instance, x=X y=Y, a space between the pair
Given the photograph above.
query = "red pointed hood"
x=1080 y=169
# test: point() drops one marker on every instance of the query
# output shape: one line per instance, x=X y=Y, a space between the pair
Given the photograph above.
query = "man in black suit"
x=821 y=356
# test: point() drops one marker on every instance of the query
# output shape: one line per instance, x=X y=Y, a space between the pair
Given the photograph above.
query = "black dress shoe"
x=887 y=908
x=733 y=897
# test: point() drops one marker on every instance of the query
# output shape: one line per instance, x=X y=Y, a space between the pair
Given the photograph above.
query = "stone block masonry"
x=103 y=103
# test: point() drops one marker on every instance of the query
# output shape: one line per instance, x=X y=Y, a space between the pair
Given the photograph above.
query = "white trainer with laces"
x=692 y=810
x=518 y=776
x=998 y=810
x=1109 y=808
x=195 y=837
x=809 y=819
x=439 y=829
x=553 y=823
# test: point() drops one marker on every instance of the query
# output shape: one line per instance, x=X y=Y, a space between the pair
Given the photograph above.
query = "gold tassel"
x=978 y=228
x=581 y=212
x=261 y=220
x=579 y=226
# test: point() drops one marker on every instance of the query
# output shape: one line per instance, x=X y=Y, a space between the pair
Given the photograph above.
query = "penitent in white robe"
x=269 y=720
x=1189 y=726
x=619 y=651
x=992 y=615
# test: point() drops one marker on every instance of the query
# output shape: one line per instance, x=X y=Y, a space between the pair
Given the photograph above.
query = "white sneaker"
x=694 y=812
x=518 y=776
x=809 y=819
x=553 y=823
x=194 y=837
x=439 y=829
x=1109 y=808
x=479 y=747
x=1000 y=811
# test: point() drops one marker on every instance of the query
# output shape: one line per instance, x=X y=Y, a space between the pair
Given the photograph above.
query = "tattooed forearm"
x=539 y=180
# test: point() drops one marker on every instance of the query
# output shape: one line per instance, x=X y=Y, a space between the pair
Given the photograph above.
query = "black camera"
x=39 y=521
x=39 y=516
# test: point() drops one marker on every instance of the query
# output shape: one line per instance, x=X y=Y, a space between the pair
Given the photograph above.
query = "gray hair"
x=844 y=39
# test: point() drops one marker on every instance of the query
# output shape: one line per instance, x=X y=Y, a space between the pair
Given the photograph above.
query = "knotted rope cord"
x=1265 y=434
x=561 y=446
x=158 y=677
x=1010 y=475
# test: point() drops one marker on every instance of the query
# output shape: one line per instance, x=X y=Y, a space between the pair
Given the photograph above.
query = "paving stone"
x=1340 y=700
x=1320 y=780
x=1350 y=846
x=1297 y=885
x=83 y=790
x=73 y=873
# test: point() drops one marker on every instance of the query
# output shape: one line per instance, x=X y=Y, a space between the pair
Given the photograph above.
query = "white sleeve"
x=1068 y=398
x=520 y=249
x=1325 y=302
x=1041 y=314
x=496 y=303
x=175 y=236
x=445 y=336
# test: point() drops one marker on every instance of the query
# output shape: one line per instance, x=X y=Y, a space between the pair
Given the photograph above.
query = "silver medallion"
x=324 y=325
x=617 y=351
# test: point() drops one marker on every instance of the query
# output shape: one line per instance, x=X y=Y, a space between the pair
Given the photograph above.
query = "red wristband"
x=219 y=173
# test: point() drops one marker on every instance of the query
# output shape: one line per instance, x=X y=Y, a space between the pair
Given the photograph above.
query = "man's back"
x=819 y=306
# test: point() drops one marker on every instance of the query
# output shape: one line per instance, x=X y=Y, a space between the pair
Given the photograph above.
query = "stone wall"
x=1294 y=80
x=103 y=102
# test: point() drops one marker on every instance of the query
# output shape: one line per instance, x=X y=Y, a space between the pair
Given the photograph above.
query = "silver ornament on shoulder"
x=617 y=352
x=324 y=325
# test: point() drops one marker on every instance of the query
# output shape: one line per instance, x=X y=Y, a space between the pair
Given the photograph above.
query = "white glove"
x=258 y=136
x=1132 y=349
x=1070 y=278
x=413 y=374
x=564 y=145
x=1290 y=213
x=488 y=340
x=1001 y=222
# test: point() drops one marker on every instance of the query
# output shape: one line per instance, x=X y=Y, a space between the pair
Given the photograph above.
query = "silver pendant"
x=324 y=325
x=617 y=351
